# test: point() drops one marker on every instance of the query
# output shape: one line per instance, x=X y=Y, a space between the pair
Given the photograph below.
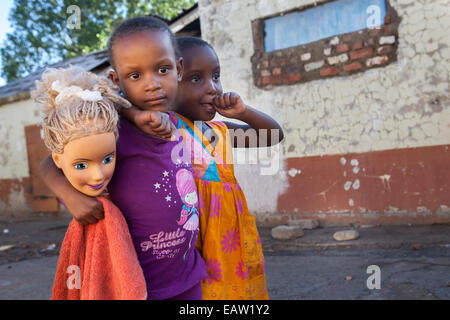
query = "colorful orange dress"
x=228 y=238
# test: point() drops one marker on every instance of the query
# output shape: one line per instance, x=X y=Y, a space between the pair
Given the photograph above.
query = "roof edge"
x=24 y=95
x=184 y=19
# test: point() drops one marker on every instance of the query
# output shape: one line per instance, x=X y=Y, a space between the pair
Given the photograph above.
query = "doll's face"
x=88 y=162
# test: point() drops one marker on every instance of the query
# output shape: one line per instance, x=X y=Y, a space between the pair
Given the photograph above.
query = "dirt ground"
x=414 y=261
x=32 y=238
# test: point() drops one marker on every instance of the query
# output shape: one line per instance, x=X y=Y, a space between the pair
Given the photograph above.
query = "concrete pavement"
x=414 y=262
x=338 y=274
x=28 y=279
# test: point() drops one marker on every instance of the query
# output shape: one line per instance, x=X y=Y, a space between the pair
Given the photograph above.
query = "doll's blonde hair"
x=76 y=103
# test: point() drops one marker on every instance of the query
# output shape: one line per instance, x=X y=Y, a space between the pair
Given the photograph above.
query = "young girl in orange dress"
x=228 y=238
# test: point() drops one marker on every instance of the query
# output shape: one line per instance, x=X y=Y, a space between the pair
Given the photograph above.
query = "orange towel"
x=99 y=262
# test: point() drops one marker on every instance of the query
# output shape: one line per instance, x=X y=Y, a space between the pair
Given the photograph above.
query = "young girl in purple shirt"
x=155 y=192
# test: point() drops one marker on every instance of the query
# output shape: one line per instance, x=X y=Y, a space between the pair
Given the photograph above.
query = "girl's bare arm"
x=260 y=129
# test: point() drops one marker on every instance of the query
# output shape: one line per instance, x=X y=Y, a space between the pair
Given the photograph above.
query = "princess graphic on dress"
x=188 y=193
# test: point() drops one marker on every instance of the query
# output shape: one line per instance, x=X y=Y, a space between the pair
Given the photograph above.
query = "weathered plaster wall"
x=15 y=186
x=405 y=104
x=13 y=153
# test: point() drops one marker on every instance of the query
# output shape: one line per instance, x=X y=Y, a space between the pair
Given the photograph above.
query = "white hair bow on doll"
x=65 y=93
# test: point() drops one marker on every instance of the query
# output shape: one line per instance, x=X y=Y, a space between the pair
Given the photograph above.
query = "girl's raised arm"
x=251 y=134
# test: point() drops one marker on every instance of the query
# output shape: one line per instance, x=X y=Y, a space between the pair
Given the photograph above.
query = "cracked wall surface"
x=13 y=151
x=15 y=184
x=403 y=105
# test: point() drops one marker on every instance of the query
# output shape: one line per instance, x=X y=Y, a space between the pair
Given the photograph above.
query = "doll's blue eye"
x=108 y=159
x=80 y=166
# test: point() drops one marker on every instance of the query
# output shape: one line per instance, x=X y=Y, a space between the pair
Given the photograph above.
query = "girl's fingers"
x=154 y=120
x=161 y=132
x=157 y=131
x=226 y=99
x=169 y=137
x=87 y=220
x=99 y=206
x=82 y=222
x=163 y=129
x=233 y=98
x=98 y=213
x=171 y=128
x=148 y=117
x=92 y=220
x=157 y=127
x=222 y=101
x=215 y=101
x=162 y=124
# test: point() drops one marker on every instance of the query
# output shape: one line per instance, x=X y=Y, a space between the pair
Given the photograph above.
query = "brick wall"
x=340 y=55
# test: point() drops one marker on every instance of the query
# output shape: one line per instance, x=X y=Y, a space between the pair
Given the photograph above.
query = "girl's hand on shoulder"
x=84 y=209
x=155 y=123
x=230 y=105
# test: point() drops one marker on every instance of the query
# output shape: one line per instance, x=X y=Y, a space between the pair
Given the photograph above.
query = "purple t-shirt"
x=158 y=198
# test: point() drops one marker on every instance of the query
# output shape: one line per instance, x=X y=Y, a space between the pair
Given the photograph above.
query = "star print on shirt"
x=157 y=185
x=168 y=198
x=165 y=173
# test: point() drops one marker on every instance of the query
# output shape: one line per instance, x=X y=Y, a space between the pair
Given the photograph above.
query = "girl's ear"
x=56 y=159
x=180 y=68
x=112 y=74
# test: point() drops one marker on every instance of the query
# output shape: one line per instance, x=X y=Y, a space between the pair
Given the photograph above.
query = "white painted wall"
x=13 y=153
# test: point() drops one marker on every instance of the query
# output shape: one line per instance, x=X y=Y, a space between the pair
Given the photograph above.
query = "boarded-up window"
x=323 y=21
x=330 y=39
x=43 y=199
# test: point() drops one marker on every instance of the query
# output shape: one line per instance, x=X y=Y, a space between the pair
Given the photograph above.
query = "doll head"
x=80 y=125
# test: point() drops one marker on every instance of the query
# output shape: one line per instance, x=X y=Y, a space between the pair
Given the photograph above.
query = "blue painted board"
x=323 y=21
